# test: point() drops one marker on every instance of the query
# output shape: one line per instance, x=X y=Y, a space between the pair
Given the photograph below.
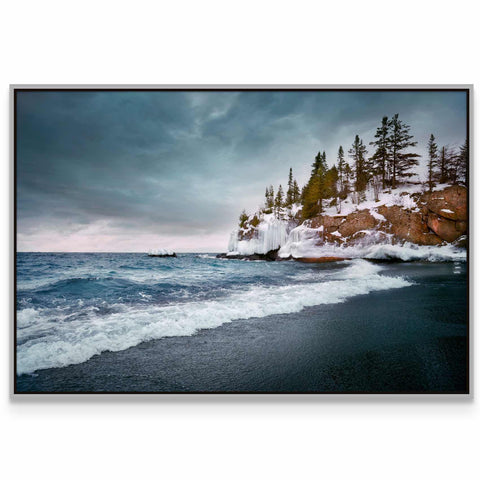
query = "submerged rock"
x=270 y=256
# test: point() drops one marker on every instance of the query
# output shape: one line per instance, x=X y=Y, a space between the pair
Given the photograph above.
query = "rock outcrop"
x=270 y=256
x=446 y=229
x=426 y=219
x=450 y=203
x=437 y=217
x=356 y=222
x=407 y=225
x=445 y=212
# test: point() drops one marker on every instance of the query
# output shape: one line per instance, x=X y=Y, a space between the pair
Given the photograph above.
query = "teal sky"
x=130 y=171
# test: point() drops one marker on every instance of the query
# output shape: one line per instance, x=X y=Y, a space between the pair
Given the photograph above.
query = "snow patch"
x=377 y=216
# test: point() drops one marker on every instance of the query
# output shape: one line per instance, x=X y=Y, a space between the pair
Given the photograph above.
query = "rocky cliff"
x=405 y=217
x=432 y=219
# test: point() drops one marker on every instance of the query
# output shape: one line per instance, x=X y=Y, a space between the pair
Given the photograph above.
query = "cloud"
x=118 y=171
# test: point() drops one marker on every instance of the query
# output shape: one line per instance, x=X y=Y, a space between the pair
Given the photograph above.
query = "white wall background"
x=223 y=42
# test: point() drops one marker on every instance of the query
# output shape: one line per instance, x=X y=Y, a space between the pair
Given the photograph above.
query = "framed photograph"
x=241 y=239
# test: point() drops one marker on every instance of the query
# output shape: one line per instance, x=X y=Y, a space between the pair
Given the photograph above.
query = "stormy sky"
x=133 y=171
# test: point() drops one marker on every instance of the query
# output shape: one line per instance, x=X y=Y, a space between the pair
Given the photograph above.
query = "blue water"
x=76 y=309
x=46 y=279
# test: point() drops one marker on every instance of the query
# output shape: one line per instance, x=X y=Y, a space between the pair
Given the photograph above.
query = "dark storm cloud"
x=186 y=163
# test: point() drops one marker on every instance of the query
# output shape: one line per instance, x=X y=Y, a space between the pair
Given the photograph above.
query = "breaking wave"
x=302 y=242
x=52 y=337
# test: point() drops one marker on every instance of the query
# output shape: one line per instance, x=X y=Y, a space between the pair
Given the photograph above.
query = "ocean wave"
x=408 y=252
x=66 y=277
x=76 y=283
x=49 y=341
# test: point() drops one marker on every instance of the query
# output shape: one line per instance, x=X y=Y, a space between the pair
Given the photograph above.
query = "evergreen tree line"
x=391 y=164
x=274 y=202
x=446 y=165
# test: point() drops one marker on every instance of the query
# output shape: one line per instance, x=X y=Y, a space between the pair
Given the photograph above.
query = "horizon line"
x=65 y=251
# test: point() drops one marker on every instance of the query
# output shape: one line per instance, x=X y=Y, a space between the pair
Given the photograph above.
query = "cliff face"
x=434 y=218
x=404 y=217
x=446 y=212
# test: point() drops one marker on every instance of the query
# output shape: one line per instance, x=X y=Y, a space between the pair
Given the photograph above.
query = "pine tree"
x=289 y=197
x=303 y=194
x=399 y=140
x=296 y=192
x=457 y=165
x=347 y=178
x=462 y=161
x=279 y=198
x=314 y=192
x=330 y=183
x=358 y=153
x=311 y=202
x=272 y=194
x=447 y=165
x=319 y=164
x=432 y=161
x=243 y=218
x=269 y=201
x=381 y=157
x=340 y=163
x=443 y=173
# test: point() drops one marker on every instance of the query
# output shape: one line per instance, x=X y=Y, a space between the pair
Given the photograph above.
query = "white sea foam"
x=47 y=340
x=26 y=317
x=302 y=242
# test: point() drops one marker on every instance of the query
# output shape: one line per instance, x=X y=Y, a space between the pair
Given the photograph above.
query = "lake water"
x=131 y=323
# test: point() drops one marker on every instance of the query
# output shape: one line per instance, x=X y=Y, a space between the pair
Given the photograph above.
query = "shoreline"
x=273 y=257
x=377 y=253
x=393 y=335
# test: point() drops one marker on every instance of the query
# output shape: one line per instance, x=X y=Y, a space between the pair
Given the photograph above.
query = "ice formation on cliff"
x=293 y=241
x=270 y=234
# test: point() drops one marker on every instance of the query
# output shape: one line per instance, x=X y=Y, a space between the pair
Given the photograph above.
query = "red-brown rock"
x=449 y=203
x=444 y=228
x=330 y=222
x=320 y=259
x=408 y=225
x=327 y=221
x=461 y=226
x=356 y=221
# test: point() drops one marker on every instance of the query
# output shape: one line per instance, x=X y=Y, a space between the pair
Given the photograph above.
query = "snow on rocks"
x=270 y=234
x=161 y=251
x=394 y=223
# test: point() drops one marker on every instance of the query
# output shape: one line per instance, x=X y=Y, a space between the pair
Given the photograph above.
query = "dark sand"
x=398 y=341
